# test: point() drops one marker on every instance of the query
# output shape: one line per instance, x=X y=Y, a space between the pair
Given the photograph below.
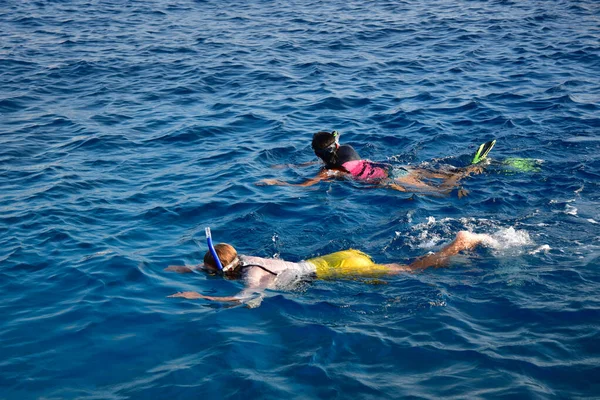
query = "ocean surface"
x=126 y=128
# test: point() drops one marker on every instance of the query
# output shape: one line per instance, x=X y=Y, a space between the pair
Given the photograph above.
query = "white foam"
x=432 y=242
x=432 y=233
x=409 y=216
x=592 y=221
x=255 y=302
x=510 y=237
x=561 y=201
x=544 y=248
x=427 y=239
x=569 y=209
x=98 y=254
x=438 y=303
x=489 y=241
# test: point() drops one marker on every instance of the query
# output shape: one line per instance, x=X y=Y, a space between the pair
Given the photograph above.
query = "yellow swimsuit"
x=347 y=263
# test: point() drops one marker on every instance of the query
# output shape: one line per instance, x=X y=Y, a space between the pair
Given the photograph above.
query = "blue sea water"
x=127 y=127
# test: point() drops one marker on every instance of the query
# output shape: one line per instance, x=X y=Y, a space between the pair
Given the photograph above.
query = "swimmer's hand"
x=323 y=175
x=182 y=269
x=282 y=166
x=196 y=295
x=271 y=182
x=190 y=295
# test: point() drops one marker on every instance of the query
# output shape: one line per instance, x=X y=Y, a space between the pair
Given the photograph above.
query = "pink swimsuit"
x=365 y=170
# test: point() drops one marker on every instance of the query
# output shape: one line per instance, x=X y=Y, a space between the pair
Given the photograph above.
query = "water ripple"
x=127 y=128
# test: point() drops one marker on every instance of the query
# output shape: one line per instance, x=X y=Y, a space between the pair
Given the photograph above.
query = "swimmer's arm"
x=321 y=176
x=182 y=269
x=302 y=165
x=196 y=295
x=256 y=282
x=244 y=295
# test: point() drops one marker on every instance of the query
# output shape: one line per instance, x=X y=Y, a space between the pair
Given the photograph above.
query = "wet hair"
x=322 y=146
x=226 y=254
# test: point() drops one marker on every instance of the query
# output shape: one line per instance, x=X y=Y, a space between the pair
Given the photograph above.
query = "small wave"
x=544 y=248
x=127 y=129
x=465 y=106
x=252 y=119
x=111 y=119
x=97 y=254
x=581 y=139
x=169 y=50
x=30 y=21
x=336 y=103
x=17 y=103
x=570 y=210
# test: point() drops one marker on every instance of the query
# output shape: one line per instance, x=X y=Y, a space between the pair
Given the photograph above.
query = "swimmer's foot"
x=469 y=240
x=475 y=169
x=464 y=172
x=462 y=193
x=483 y=151
x=463 y=241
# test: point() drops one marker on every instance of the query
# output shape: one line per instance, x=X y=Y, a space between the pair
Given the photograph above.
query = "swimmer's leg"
x=464 y=241
x=449 y=176
x=453 y=179
x=422 y=188
x=475 y=168
x=397 y=187
x=395 y=269
x=449 y=180
x=412 y=180
x=428 y=174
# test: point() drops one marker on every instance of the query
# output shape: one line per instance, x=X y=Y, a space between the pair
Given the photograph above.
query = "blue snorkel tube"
x=211 y=248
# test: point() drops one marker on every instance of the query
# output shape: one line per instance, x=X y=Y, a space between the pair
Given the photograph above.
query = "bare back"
x=276 y=273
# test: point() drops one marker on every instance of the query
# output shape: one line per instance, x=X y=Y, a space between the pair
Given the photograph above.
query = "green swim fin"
x=483 y=151
x=522 y=164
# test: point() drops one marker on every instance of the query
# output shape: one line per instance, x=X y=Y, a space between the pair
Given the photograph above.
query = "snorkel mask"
x=333 y=146
x=221 y=269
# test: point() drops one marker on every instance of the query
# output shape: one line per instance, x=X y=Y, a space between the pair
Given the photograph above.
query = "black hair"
x=323 y=144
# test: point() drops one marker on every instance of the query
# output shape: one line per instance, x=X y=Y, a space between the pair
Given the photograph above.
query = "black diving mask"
x=332 y=147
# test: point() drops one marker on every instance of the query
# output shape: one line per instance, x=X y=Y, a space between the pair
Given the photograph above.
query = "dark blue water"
x=127 y=127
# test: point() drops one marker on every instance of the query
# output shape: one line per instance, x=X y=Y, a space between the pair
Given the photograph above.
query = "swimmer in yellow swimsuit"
x=259 y=273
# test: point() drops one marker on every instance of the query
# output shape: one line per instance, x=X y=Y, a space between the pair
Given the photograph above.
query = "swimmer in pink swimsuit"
x=343 y=160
